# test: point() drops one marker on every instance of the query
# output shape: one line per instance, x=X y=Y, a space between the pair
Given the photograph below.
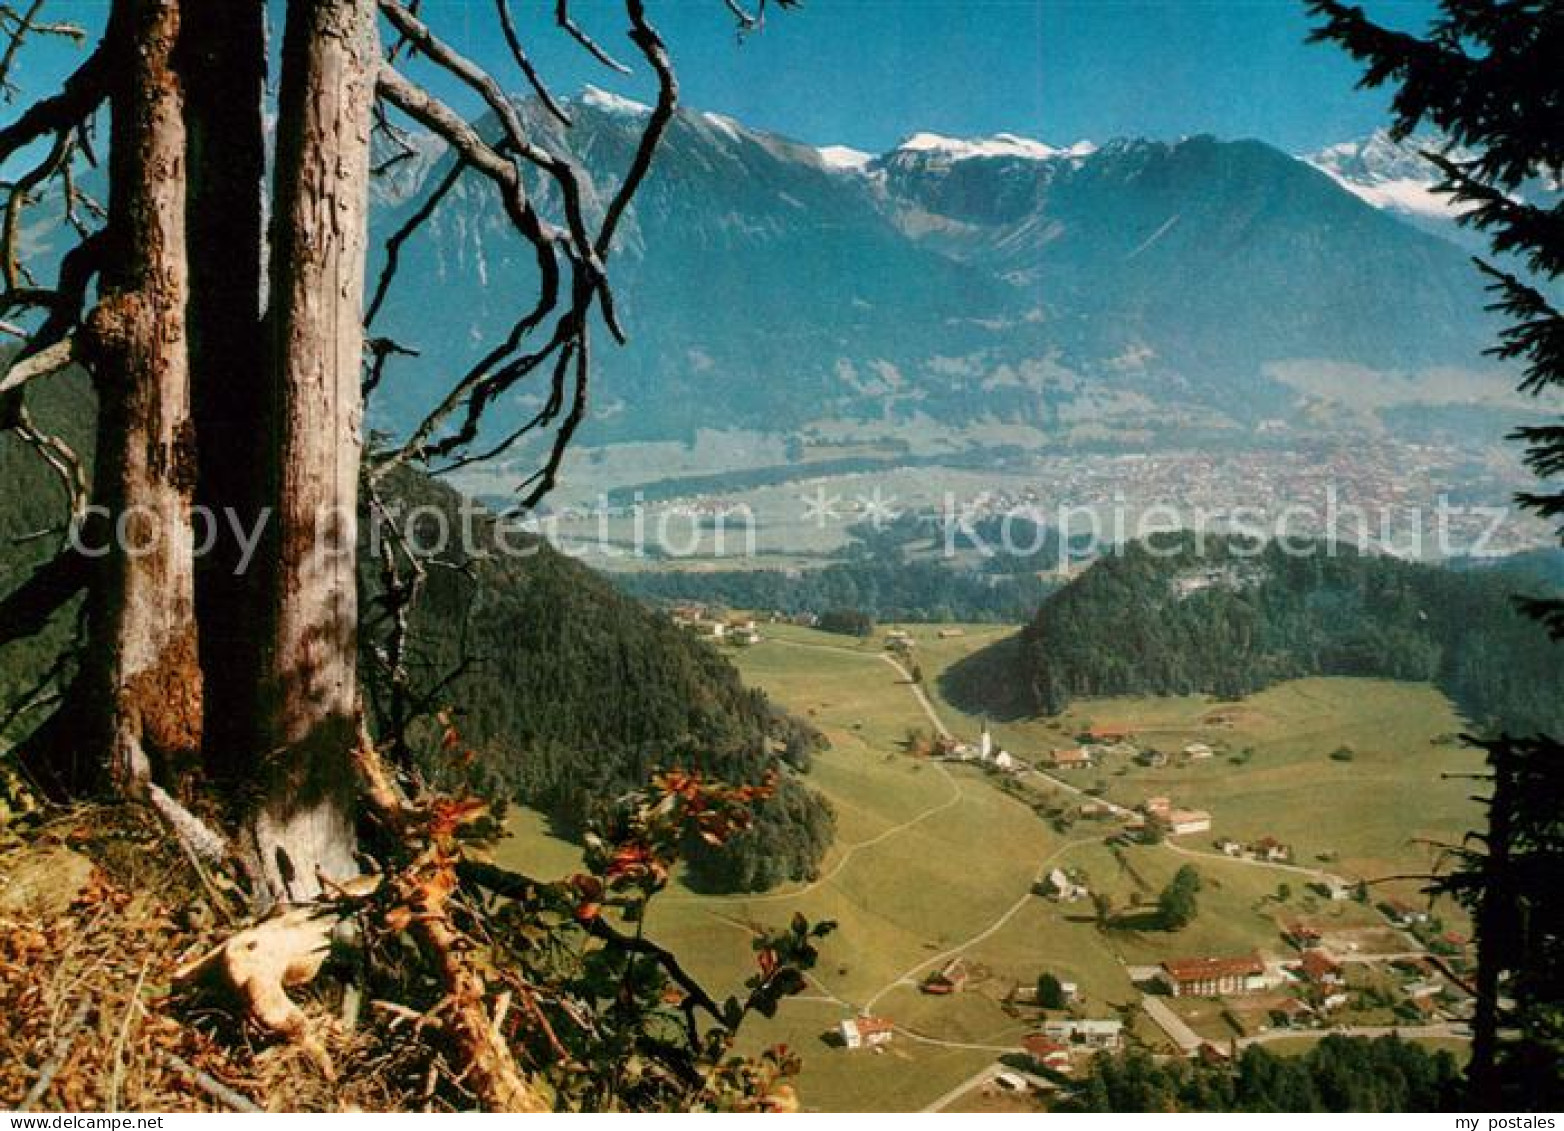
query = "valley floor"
x=937 y=860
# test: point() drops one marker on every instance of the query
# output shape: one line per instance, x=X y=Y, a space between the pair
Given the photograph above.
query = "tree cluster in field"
x=1340 y=1073
x=1177 y=905
x=570 y=695
x=1125 y=627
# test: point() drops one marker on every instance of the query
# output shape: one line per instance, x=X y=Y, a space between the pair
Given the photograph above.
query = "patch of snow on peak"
x=610 y=103
x=1388 y=174
x=844 y=158
x=1000 y=145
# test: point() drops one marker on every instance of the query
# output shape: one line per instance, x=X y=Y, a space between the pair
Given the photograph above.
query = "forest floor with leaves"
x=99 y=909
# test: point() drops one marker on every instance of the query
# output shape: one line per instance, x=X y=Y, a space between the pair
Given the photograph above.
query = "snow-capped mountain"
x=1000 y=145
x=1390 y=174
x=767 y=283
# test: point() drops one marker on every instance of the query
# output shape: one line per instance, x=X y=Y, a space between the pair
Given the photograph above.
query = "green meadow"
x=934 y=860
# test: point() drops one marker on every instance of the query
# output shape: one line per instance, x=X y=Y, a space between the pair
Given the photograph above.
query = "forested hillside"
x=573 y=694
x=570 y=693
x=1161 y=619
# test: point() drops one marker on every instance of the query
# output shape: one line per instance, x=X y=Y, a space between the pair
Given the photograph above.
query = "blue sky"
x=868 y=72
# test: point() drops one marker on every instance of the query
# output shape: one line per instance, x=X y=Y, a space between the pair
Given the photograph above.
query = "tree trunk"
x=310 y=713
x=143 y=683
x=223 y=58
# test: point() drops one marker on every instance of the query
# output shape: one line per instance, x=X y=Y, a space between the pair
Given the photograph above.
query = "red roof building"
x=1213 y=977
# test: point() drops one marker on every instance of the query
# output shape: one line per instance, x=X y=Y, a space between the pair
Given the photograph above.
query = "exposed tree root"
x=422 y=894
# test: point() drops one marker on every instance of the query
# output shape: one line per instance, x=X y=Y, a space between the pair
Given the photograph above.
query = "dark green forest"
x=1338 y=1074
x=1161 y=619
x=572 y=694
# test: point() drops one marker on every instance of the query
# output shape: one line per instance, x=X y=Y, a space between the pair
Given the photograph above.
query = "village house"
x=1046 y=1053
x=1196 y=751
x=1008 y=762
x=1301 y=935
x=1319 y=969
x=1102 y=1034
x=1334 y=890
x=1291 y=1013
x=1059 y=886
x=1152 y=759
x=866 y=1032
x=1270 y=849
x=1072 y=758
x=686 y=615
x=1157 y=808
x=1109 y=733
x=948 y=979
x=1182 y=822
x=1213 y=977
x=1227 y=846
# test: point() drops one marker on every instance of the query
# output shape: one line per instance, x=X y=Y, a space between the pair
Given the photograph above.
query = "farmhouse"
x=1269 y=848
x=1059 y=886
x=866 y=1032
x=1157 y=808
x=1181 y=822
x=1109 y=733
x=951 y=633
x=1046 y=1053
x=1213 y=977
x=1074 y=758
x=1320 y=968
x=1198 y=750
x=949 y=979
x=1094 y=1034
x=1227 y=846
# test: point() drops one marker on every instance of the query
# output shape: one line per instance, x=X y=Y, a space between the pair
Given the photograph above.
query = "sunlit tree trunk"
x=142 y=684
x=310 y=716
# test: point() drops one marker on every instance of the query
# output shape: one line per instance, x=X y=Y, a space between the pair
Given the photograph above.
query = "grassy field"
x=934 y=860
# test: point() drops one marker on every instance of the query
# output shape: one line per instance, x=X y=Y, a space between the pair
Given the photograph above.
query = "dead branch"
x=212 y=1086
x=51 y=1067
x=562 y=17
x=524 y=62
x=76 y=100
x=29 y=367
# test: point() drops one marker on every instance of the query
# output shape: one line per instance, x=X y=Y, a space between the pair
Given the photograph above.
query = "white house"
x=1004 y=760
x=1061 y=887
x=1181 y=822
x=866 y=1032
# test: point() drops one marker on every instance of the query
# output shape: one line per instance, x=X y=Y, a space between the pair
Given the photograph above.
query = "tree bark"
x=223 y=58
x=310 y=713
x=142 y=683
